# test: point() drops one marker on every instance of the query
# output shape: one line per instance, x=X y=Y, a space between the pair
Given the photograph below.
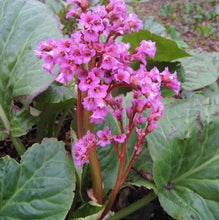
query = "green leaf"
x=51 y=103
x=154 y=27
x=212 y=91
x=21 y=121
x=167 y=50
x=200 y=71
x=175 y=35
x=56 y=94
x=23 y=24
x=185 y=151
x=40 y=187
x=87 y=209
x=141 y=172
x=56 y=5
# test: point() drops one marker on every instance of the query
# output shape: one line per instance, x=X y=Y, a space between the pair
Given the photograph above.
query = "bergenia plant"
x=99 y=67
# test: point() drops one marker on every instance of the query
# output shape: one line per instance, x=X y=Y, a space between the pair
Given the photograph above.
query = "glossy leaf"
x=23 y=24
x=167 y=50
x=200 y=70
x=141 y=172
x=56 y=94
x=185 y=151
x=56 y=5
x=51 y=103
x=40 y=187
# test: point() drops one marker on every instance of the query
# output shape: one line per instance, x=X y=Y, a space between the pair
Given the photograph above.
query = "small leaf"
x=175 y=35
x=167 y=50
x=40 y=187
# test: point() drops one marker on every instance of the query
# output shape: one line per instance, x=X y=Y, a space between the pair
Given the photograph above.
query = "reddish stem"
x=117 y=86
x=129 y=167
x=118 y=184
x=116 y=145
x=93 y=158
x=79 y=115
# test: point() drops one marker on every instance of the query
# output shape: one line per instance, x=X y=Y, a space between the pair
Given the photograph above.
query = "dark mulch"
x=152 y=211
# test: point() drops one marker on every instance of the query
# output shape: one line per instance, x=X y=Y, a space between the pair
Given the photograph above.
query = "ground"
x=196 y=21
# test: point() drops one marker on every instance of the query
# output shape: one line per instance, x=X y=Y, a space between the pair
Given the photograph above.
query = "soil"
x=152 y=211
x=187 y=24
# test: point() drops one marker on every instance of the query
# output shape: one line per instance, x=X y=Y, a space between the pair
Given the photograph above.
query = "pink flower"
x=88 y=82
x=86 y=19
x=83 y=148
x=135 y=24
x=145 y=48
x=170 y=80
x=120 y=138
x=104 y=137
x=97 y=24
x=137 y=149
x=151 y=126
x=98 y=91
x=87 y=54
x=76 y=54
x=90 y=138
x=90 y=103
x=99 y=114
x=140 y=133
x=129 y=112
x=82 y=73
x=108 y=62
x=139 y=119
x=148 y=47
x=73 y=12
x=122 y=76
x=101 y=67
x=117 y=113
x=100 y=10
x=138 y=105
x=98 y=72
x=90 y=35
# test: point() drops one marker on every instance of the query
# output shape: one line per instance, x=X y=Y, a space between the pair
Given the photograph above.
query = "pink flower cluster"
x=108 y=68
x=84 y=146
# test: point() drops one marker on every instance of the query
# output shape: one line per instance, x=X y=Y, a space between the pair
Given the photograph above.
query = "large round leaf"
x=23 y=24
x=200 y=70
x=40 y=187
x=186 y=155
